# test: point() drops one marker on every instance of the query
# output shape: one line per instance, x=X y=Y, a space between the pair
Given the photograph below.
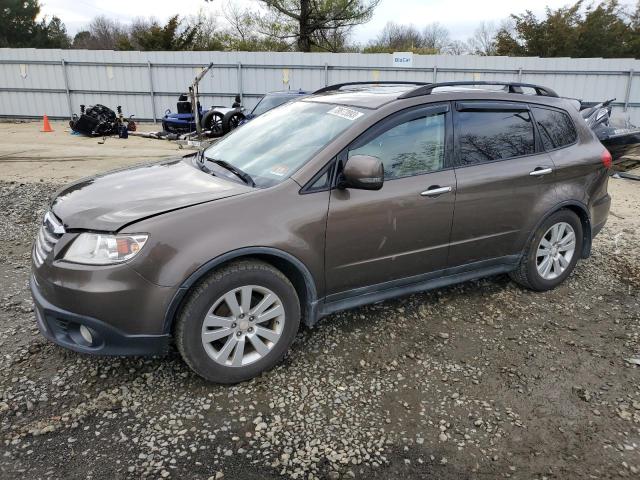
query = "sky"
x=460 y=17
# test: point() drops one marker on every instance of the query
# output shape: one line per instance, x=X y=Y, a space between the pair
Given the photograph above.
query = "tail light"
x=606 y=158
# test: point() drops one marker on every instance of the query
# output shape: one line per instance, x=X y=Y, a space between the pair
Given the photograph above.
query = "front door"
x=402 y=230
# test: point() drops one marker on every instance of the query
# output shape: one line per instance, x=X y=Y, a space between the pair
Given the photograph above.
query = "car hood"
x=110 y=201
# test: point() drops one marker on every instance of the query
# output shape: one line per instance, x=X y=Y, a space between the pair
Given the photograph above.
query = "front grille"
x=48 y=235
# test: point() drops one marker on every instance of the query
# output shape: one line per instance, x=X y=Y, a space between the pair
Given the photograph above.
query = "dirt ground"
x=28 y=154
x=481 y=380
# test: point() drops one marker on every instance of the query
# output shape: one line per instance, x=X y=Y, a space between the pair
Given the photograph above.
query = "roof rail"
x=512 y=87
x=338 y=86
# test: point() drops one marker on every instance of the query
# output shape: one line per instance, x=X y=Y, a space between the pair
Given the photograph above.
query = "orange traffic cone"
x=46 y=127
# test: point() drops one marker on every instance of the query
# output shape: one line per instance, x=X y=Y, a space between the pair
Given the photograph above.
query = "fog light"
x=85 y=333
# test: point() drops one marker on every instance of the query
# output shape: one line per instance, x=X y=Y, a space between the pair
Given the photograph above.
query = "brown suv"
x=353 y=195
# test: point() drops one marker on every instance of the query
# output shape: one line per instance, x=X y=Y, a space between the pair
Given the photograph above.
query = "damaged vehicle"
x=622 y=139
x=353 y=195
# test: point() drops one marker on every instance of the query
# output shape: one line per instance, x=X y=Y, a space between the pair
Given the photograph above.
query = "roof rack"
x=512 y=87
x=338 y=86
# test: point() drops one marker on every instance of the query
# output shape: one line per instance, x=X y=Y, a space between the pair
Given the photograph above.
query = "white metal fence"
x=34 y=82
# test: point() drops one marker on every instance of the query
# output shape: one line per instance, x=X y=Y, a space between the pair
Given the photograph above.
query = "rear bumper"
x=63 y=328
x=599 y=214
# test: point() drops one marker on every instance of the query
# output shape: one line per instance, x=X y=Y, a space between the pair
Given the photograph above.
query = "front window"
x=414 y=147
x=274 y=145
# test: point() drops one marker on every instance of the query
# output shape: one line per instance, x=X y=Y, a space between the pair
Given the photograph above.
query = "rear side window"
x=487 y=135
x=556 y=128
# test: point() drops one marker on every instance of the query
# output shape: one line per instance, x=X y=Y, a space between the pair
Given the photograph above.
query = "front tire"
x=552 y=253
x=212 y=121
x=238 y=322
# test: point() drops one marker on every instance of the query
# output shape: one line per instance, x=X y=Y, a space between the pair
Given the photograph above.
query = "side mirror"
x=363 y=172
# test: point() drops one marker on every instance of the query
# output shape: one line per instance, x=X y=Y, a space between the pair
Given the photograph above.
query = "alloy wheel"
x=555 y=250
x=243 y=326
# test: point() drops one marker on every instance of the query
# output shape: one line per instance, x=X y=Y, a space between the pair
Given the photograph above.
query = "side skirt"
x=420 y=283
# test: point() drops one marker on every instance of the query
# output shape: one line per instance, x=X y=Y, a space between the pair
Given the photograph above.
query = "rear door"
x=505 y=182
x=402 y=230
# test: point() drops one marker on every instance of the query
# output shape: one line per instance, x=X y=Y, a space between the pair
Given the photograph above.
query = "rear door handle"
x=541 y=171
x=435 y=190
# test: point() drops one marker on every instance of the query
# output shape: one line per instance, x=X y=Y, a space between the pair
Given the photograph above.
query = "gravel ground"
x=480 y=380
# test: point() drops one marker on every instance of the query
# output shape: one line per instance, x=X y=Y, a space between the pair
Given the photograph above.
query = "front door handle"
x=435 y=190
x=541 y=171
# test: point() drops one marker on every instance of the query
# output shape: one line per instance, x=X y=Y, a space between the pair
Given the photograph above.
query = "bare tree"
x=483 y=41
x=105 y=34
x=395 y=37
x=456 y=47
x=241 y=21
x=435 y=37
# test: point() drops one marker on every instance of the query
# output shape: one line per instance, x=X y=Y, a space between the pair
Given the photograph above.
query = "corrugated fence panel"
x=34 y=82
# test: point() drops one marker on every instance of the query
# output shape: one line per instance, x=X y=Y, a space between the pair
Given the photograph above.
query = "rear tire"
x=238 y=322
x=232 y=120
x=552 y=253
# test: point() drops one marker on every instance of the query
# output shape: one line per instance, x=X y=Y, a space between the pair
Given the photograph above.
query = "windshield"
x=270 y=101
x=274 y=145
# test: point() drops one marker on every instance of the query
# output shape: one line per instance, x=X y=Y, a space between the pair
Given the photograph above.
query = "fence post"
x=151 y=92
x=520 y=74
x=240 y=92
x=628 y=94
x=326 y=74
x=435 y=74
x=66 y=86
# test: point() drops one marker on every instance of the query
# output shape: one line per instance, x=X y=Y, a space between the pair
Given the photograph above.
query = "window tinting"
x=556 y=128
x=484 y=136
x=411 y=148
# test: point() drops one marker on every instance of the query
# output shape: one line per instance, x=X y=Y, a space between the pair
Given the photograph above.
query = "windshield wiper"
x=244 y=176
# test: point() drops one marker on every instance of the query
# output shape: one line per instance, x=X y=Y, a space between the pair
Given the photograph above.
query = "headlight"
x=104 y=249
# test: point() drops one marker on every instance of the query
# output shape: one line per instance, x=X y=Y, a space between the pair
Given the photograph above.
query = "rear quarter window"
x=487 y=135
x=556 y=128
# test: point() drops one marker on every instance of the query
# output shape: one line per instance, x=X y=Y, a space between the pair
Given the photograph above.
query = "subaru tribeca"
x=353 y=195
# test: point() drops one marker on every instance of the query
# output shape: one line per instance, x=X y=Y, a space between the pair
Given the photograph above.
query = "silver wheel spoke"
x=238 y=354
x=213 y=335
x=245 y=299
x=224 y=353
x=545 y=266
x=542 y=252
x=216 y=321
x=569 y=246
x=273 y=313
x=556 y=266
x=265 y=303
x=568 y=238
x=232 y=302
x=259 y=345
x=268 y=334
x=564 y=263
x=545 y=243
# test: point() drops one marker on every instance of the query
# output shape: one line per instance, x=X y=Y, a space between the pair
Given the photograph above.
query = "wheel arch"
x=296 y=271
x=583 y=214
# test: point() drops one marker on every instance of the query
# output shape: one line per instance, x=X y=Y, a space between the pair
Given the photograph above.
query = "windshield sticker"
x=344 y=112
x=279 y=170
